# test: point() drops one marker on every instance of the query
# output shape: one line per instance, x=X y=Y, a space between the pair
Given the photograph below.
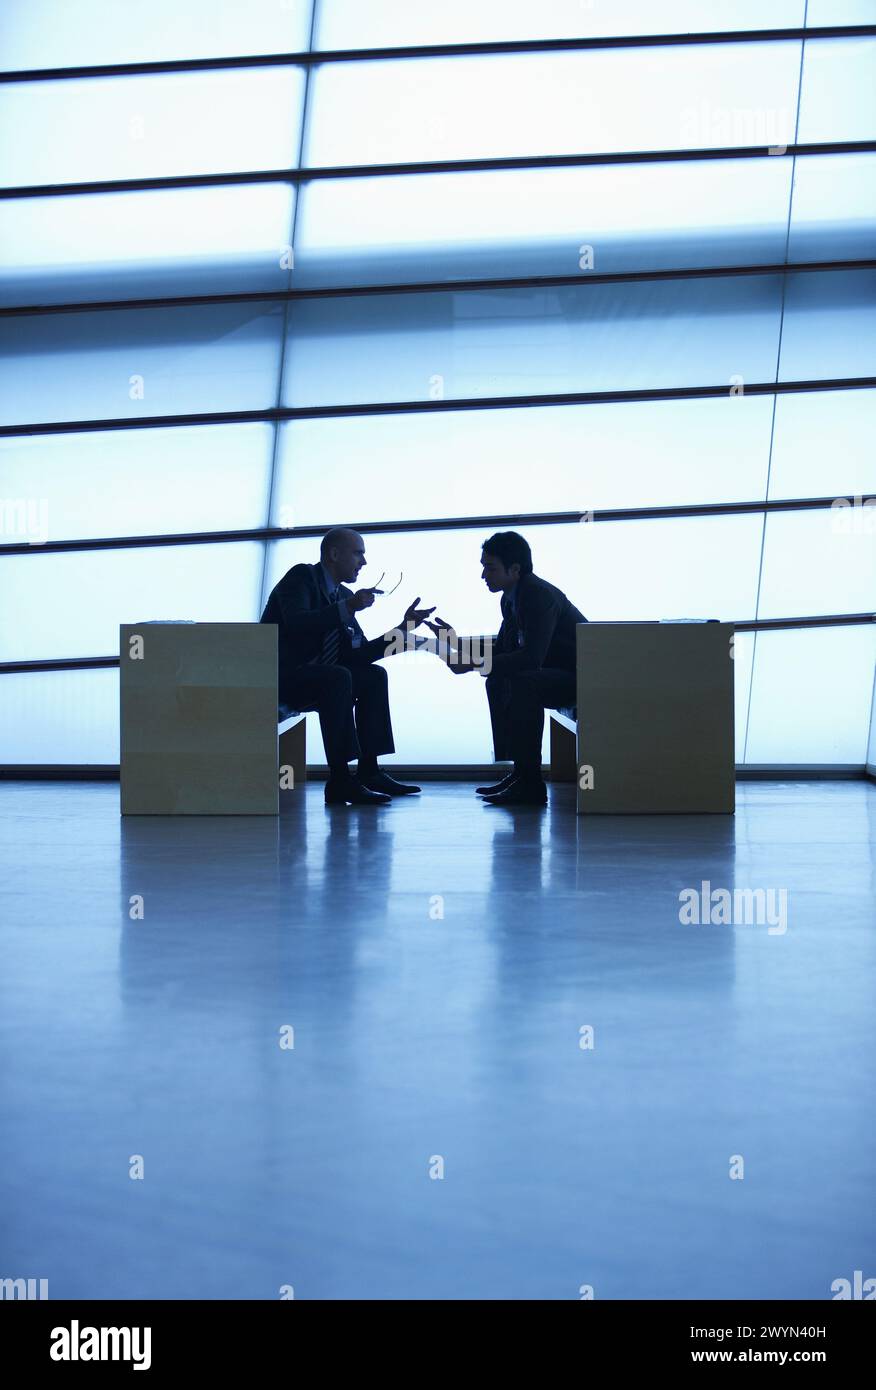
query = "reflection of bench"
x=652 y=731
x=292 y=744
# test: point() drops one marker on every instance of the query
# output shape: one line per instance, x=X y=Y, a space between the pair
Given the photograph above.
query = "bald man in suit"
x=326 y=664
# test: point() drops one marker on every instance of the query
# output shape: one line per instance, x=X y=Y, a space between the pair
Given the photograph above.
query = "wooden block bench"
x=653 y=729
x=198 y=711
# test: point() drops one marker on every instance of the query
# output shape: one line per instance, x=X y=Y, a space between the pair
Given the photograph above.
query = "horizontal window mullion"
x=445 y=50
x=446 y=166
x=456 y=523
x=535 y=282
x=329 y=412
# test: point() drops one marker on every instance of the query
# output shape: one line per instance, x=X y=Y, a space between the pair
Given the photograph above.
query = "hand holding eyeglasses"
x=413 y=614
x=364 y=598
x=375 y=590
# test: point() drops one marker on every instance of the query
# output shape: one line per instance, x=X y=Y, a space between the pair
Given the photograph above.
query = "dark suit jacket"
x=546 y=620
x=299 y=605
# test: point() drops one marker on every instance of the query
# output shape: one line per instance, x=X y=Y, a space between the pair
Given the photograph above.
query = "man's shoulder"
x=550 y=593
x=534 y=584
x=297 y=573
x=292 y=580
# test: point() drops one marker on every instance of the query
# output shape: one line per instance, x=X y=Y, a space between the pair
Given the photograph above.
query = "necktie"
x=331 y=642
x=513 y=629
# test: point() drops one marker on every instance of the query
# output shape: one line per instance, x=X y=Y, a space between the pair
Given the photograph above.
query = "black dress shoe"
x=498 y=786
x=525 y=791
x=381 y=781
x=349 y=791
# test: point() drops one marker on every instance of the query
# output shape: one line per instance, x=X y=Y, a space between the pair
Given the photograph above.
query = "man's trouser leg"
x=498 y=697
x=373 y=724
x=530 y=694
x=329 y=691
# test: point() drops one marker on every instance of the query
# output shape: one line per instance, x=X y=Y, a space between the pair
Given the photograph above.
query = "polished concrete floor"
x=421 y=1037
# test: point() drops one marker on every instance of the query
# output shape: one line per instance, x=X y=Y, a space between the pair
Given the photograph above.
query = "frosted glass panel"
x=819 y=562
x=811 y=694
x=60 y=717
x=554 y=103
x=388 y=23
x=442 y=568
x=141 y=482
x=811 y=691
x=536 y=221
x=829 y=325
x=838 y=101
x=619 y=570
x=514 y=342
x=71 y=604
x=834 y=209
x=135 y=245
x=481 y=463
x=142 y=127
x=823 y=445
x=58 y=33
x=841 y=12
x=130 y=364
x=703 y=567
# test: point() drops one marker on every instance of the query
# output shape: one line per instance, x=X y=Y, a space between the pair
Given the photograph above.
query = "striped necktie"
x=331 y=642
x=513 y=625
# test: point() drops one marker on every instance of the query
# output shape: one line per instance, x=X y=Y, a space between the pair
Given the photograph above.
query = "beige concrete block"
x=655 y=717
x=198 y=719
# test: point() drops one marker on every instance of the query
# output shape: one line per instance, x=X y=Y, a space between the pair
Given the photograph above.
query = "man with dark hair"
x=326 y=664
x=533 y=665
x=512 y=549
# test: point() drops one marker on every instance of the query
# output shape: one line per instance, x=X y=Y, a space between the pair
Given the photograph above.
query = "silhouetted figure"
x=533 y=665
x=326 y=663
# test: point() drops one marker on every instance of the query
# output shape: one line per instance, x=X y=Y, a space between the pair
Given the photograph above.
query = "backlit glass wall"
x=429 y=269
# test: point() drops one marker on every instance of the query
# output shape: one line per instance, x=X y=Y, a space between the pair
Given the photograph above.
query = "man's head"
x=504 y=558
x=343 y=553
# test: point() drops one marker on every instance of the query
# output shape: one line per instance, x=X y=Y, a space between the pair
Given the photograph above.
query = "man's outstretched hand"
x=444 y=631
x=416 y=615
x=446 y=635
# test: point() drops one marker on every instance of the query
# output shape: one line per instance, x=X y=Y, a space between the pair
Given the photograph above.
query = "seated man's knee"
x=525 y=688
x=337 y=684
x=372 y=676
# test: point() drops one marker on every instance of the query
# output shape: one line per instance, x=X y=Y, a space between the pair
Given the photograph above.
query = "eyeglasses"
x=374 y=589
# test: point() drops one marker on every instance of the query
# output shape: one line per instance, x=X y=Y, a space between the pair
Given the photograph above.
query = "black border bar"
x=92 y=663
x=331 y=412
x=510 y=282
x=819 y=1329
x=423 y=524
x=442 y=50
x=443 y=166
